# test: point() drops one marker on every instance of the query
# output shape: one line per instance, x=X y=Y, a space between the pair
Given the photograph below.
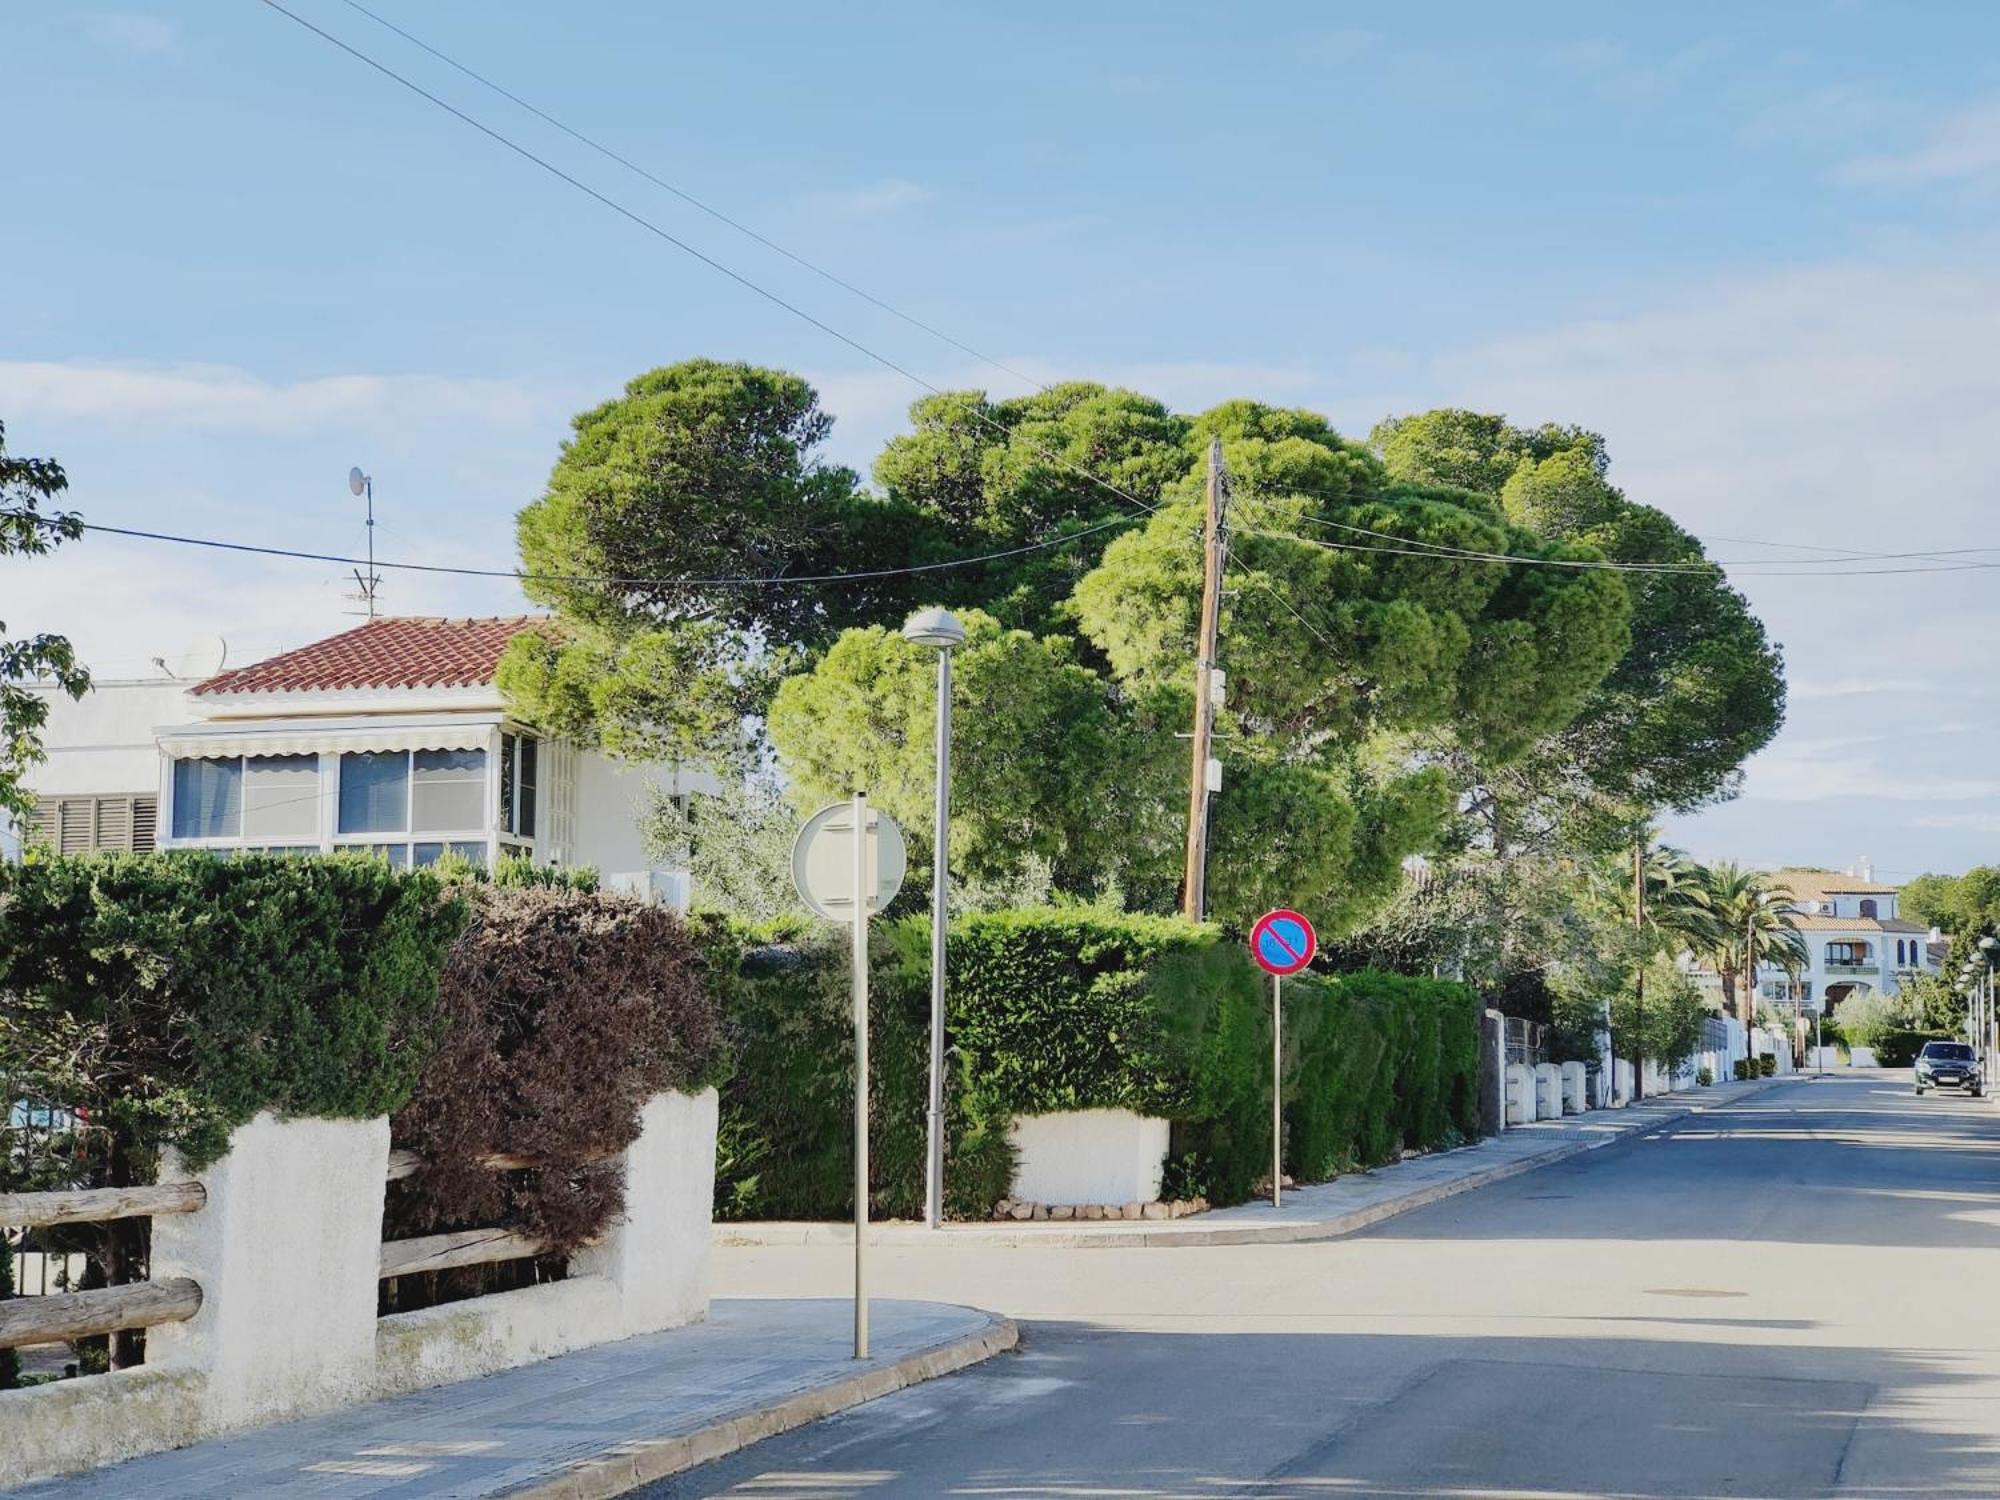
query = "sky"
x=1752 y=246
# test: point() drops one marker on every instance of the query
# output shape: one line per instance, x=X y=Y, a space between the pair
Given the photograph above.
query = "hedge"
x=1070 y=1009
x=563 y=1012
x=1899 y=1049
x=174 y=995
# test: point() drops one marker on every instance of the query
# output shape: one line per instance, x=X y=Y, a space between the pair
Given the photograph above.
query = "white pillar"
x=286 y=1251
x=657 y=1254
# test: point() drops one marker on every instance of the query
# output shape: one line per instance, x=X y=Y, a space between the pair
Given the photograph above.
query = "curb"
x=632 y=1464
x=1194 y=1234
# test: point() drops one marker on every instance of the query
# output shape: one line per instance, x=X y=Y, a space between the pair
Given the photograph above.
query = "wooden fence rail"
x=407 y=1163
x=463 y=1247
x=76 y=1315
x=93 y=1205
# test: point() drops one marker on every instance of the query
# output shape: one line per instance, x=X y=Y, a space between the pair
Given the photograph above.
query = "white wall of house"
x=101 y=745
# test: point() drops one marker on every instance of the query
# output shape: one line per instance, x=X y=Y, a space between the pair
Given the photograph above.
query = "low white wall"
x=650 y=1272
x=1548 y=1091
x=1573 y=1080
x=1089 y=1156
x=287 y=1251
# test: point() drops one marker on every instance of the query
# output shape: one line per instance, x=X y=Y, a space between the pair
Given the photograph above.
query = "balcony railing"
x=1854 y=971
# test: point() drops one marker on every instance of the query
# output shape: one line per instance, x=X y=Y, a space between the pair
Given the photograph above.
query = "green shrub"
x=1767 y=1065
x=174 y=995
x=1899 y=1049
x=1703 y=1078
x=785 y=1139
x=1071 y=1009
x=1743 y=1067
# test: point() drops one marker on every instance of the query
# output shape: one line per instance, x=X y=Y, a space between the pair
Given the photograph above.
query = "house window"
x=1867 y=908
x=375 y=791
x=448 y=789
x=1846 y=955
x=208 y=798
x=439 y=795
x=519 y=774
x=85 y=825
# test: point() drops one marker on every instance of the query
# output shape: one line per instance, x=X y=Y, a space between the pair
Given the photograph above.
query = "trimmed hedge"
x=1899 y=1049
x=1070 y=1009
x=564 y=1011
x=174 y=995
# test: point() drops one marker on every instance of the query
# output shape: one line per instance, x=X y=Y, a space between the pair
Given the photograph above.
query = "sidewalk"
x=594 y=1423
x=1321 y=1212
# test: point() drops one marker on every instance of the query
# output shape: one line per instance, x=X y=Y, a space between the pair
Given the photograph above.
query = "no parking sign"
x=1283 y=942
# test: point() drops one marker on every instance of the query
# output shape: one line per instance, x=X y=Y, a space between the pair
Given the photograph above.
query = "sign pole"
x=1277 y=1089
x=862 y=894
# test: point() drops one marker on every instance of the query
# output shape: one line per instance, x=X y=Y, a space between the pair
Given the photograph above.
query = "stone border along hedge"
x=1073 y=1009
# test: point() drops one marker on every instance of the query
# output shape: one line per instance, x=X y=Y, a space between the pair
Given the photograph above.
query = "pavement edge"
x=632 y=1464
x=1192 y=1234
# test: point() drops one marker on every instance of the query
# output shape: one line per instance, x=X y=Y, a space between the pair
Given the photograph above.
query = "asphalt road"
x=1791 y=1296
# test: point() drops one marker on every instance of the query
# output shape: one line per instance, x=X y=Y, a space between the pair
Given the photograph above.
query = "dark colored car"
x=1948 y=1065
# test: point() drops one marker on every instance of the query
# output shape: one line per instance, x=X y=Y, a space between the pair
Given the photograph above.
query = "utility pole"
x=1194 y=885
x=1639 y=976
x=1750 y=967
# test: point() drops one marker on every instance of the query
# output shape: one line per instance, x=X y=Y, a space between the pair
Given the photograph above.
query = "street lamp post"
x=939 y=629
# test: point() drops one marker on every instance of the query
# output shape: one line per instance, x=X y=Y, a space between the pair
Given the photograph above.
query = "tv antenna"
x=367 y=583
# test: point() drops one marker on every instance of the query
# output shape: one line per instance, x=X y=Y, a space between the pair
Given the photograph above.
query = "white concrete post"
x=286 y=1251
x=657 y=1255
x=1520 y=1094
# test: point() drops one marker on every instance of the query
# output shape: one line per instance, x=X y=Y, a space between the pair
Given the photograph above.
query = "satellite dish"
x=203 y=657
x=356 y=480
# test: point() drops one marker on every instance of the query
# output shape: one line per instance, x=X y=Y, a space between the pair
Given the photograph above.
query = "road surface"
x=1791 y=1296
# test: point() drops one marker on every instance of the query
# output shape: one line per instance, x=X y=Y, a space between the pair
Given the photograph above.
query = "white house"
x=391 y=737
x=1857 y=942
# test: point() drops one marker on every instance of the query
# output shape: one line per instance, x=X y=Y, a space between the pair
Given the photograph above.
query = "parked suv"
x=1948 y=1065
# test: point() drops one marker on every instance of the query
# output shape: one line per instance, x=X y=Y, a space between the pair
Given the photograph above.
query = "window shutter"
x=75 y=826
x=114 y=823
x=47 y=811
x=145 y=822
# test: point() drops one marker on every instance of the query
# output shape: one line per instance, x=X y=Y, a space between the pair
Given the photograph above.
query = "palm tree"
x=1753 y=924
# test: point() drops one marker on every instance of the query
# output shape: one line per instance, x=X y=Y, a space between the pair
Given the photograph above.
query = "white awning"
x=198 y=741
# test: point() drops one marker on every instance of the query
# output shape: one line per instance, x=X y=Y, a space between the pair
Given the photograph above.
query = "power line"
x=1453 y=554
x=682 y=245
x=747 y=581
x=690 y=199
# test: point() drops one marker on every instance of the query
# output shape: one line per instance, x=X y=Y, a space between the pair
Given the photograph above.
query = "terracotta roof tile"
x=1807 y=884
x=409 y=651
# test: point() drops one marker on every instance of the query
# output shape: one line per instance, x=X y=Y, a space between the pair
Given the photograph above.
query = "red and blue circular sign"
x=1283 y=942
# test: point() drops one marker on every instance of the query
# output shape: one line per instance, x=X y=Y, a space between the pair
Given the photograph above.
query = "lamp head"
x=936 y=627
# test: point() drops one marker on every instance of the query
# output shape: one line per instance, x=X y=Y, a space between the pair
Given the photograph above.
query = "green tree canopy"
x=1046 y=764
x=26 y=486
x=1699 y=687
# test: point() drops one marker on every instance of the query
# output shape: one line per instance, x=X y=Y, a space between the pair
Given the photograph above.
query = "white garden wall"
x=287 y=1251
x=1089 y=1156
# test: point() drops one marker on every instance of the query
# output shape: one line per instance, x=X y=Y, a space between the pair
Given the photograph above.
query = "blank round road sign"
x=1283 y=942
x=823 y=861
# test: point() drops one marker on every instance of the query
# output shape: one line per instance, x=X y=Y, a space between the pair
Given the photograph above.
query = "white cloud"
x=221 y=399
x=1965 y=145
x=133 y=31
x=869 y=199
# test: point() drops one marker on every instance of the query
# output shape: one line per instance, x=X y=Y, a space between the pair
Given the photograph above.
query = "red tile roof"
x=411 y=651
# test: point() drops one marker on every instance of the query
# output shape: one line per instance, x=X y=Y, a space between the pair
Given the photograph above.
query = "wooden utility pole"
x=1194 y=885
x=1639 y=976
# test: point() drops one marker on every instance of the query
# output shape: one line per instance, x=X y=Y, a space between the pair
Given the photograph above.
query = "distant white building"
x=391 y=737
x=1857 y=941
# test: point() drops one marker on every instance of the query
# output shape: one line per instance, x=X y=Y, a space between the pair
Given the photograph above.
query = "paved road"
x=1792 y=1296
